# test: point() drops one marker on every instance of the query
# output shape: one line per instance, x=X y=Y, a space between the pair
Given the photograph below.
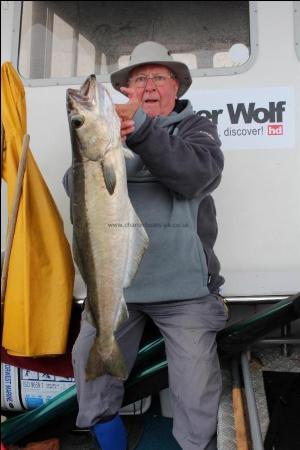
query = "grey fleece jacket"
x=177 y=164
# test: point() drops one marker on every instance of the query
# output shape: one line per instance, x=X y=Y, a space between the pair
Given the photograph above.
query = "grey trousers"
x=189 y=328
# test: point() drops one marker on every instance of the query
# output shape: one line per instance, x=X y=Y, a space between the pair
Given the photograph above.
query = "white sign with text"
x=252 y=118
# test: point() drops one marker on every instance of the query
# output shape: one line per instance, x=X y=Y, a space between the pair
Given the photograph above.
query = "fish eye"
x=77 y=120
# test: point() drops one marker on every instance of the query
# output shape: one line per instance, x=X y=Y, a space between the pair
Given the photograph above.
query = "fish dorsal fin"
x=137 y=244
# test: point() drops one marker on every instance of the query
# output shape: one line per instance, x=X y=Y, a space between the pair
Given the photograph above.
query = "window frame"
x=296 y=12
x=105 y=78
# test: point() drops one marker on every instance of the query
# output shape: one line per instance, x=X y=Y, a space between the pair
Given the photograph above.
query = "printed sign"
x=21 y=388
x=37 y=388
x=9 y=388
x=254 y=118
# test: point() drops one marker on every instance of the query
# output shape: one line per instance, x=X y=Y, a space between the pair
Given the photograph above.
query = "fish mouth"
x=88 y=88
x=85 y=95
x=90 y=96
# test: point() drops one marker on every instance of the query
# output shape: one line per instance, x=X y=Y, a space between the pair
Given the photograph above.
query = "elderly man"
x=177 y=164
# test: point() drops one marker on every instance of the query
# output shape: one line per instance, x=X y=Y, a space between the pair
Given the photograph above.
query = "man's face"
x=156 y=100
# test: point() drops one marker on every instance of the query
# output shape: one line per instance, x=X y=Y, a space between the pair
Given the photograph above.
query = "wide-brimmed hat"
x=153 y=53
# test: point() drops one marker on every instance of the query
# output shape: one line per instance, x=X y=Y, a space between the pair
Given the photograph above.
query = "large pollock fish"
x=109 y=239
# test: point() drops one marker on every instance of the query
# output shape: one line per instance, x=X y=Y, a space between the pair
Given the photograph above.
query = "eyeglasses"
x=158 y=80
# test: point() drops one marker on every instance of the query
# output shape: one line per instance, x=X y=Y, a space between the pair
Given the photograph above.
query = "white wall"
x=258 y=202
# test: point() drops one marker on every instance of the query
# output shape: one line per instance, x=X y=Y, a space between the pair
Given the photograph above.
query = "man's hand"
x=127 y=127
x=127 y=111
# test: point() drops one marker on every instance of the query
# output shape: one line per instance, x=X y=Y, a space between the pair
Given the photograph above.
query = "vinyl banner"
x=252 y=118
x=25 y=389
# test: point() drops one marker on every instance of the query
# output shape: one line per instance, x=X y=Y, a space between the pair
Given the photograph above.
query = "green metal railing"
x=231 y=341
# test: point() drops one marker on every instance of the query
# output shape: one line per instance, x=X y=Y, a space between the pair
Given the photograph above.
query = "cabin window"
x=297 y=27
x=62 y=40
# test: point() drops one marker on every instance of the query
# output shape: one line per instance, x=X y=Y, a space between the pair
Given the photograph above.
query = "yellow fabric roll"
x=38 y=297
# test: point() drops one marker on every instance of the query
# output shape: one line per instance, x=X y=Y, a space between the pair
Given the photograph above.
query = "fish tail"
x=114 y=364
x=103 y=362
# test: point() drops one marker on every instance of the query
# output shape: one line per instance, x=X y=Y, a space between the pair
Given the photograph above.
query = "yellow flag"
x=38 y=297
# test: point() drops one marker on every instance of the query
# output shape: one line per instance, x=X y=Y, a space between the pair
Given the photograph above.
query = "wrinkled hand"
x=127 y=111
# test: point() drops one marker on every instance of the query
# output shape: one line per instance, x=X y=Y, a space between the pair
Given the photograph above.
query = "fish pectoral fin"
x=137 y=244
x=128 y=153
x=109 y=175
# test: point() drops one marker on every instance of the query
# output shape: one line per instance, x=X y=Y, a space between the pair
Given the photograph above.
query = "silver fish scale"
x=268 y=359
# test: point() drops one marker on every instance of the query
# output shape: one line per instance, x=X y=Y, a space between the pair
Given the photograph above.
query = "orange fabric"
x=49 y=444
x=40 y=280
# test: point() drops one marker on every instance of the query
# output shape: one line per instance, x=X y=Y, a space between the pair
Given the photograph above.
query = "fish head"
x=94 y=123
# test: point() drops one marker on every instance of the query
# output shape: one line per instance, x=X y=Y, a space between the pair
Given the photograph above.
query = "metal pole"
x=255 y=430
x=253 y=300
x=256 y=299
x=285 y=332
x=278 y=341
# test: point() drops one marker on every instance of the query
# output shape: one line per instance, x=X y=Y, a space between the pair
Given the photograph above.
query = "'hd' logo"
x=275 y=130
